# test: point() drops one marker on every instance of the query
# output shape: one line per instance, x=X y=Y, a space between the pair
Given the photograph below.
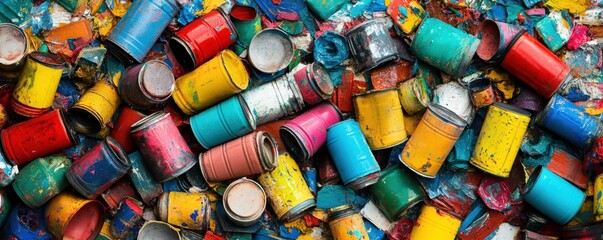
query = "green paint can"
x=396 y=191
x=41 y=180
x=247 y=22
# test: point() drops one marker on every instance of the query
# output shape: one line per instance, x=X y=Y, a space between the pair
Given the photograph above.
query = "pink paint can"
x=315 y=83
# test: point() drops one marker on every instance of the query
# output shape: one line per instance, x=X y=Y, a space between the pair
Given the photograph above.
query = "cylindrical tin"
x=306 y=133
x=432 y=141
x=99 y=168
x=8 y=172
x=287 y=190
x=413 y=95
x=248 y=155
x=95 y=108
x=164 y=150
x=396 y=191
x=121 y=128
x=134 y=35
x=553 y=196
x=25 y=223
x=352 y=156
x=274 y=100
x=444 y=46
x=274 y=128
x=435 y=224
x=71 y=217
x=41 y=180
x=327 y=172
x=346 y=224
x=217 y=79
x=158 y=230
x=244 y=202
x=223 y=122
x=14 y=47
x=38 y=137
x=598 y=198
x=248 y=23
x=270 y=50
x=482 y=93
x=314 y=83
x=118 y=191
x=496 y=39
x=570 y=122
x=148 y=188
x=5 y=206
x=146 y=85
x=186 y=210
x=203 y=38
x=381 y=119
x=371 y=45
x=125 y=221
x=38 y=82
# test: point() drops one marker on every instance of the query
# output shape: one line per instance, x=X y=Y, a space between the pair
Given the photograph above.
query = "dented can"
x=71 y=217
x=396 y=191
x=381 y=119
x=158 y=230
x=49 y=175
x=13 y=51
x=314 y=83
x=371 y=45
x=25 y=223
x=122 y=126
x=247 y=22
x=95 y=108
x=347 y=224
x=146 y=186
x=147 y=85
x=186 y=210
x=482 y=93
x=598 y=198
x=414 y=97
x=274 y=100
x=434 y=223
x=244 y=201
x=125 y=221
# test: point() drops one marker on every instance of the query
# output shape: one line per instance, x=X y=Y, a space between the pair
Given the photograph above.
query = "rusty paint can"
x=158 y=230
x=270 y=50
x=118 y=191
x=37 y=84
x=482 y=93
x=432 y=141
x=147 y=85
x=146 y=186
x=95 y=108
x=500 y=138
x=49 y=175
x=396 y=191
x=25 y=223
x=289 y=195
x=244 y=202
x=306 y=133
x=371 y=45
x=13 y=51
x=435 y=224
x=274 y=100
x=314 y=83
x=248 y=155
x=121 y=128
x=203 y=38
x=413 y=95
x=186 y=210
x=8 y=172
x=598 y=198
x=347 y=224
x=214 y=81
x=71 y=217
x=38 y=137
x=381 y=119
x=127 y=218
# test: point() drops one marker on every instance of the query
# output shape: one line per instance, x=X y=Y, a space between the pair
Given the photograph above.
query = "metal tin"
x=122 y=126
x=396 y=191
x=553 y=196
x=146 y=186
x=482 y=93
x=287 y=190
x=71 y=217
x=248 y=155
x=8 y=172
x=444 y=46
x=370 y=45
x=314 y=83
x=496 y=39
x=432 y=141
x=203 y=38
x=500 y=138
x=158 y=230
x=244 y=202
x=274 y=100
x=37 y=84
x=216 y=80
x=48 y=174
x=598 y=198
x=381 y=119
x=95 y=108
x=352 y=156
x=569 y=122
x=164 y=150
x=327 y=172
x=346 y=224
x=271 y=50
x=25 y=223
x=455 y=97
x=141 y=26
x=186 y=210
x=306 y=133
x=38 y=137
x=223 y=122
x=125 y=221
x=146 y=85
x=248 y=23
x=435 y=224
x=118 y=191
x=414 y=97
x=14 y=47
x=568 y=167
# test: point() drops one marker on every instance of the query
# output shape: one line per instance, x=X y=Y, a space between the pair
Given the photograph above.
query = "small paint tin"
x=95 y=108
x=248 y=155
x=25 y=223
x=270 y=50
x=569 y=122
x=347 y=224
x=435 y=224
x=455 y=97
x=146 y=186
x=396 y=191
x=496 y=39
x=71 y=217
x=381 y=119
x=500 y=138
x=351 y=154
x=158 y=230
x=48 y=174
x=274 y=100
x=314 y=83
x=287 y=190
x=8 y=172
x=305 y=134
x=121 y=128
x=598 y=198
x=118 y=191
x=247 y=22
x=126 y=219
x=244 y=202
x=146 y=85
x=186 y=210
x=482 y=93
x=370 y=45
x=13 y=51
x=553 y=196
x=414 y=97
x=432 y=141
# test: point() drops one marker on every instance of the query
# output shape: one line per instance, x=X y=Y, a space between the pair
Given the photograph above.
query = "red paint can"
x=38 y=137
x=120 y=191
x=121 y=128
x=314 y=83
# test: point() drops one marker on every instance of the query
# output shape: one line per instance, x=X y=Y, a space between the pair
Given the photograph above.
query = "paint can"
x=570 y=122
x=71 y=217
x=287 y=190
x=381 y=119
x=455 y=97
x=146 y=186
x=568 y=167
x=216 y=80
x=38 y=137
x=147 y=85
x=414 y=96
x=193 y=180
x=228 y=120
x=186 y=210
x=482 y=93
x=598 y=198
x=496 y=39
x=352 y=156
x=273 y=128
x=396 y=191
x=25 y=223
x=127 y=218
x=274 y=100
x=37 y=84
x=528 y=100
x=553 y=196
x=327 y=172
x=95 y=108
x=314 y=83
x=347 y=224
x=247 y=22
x=8 y=172
x=13 y=51
x=133 y=37
x=41 y=180
x=244 y=201
x=370 y=45
x=342 y=96
x=434 y=223
x=118 y=191
x=432 y=141
x=500 y=138
x=270 y=50
x=158 y=230
x=121 y=128
x=305 y=134
x=248 y=155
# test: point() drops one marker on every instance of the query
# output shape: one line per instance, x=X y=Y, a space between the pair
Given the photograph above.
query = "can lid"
x=244 y=199
x=447 y=115
x=156 y=80
x=321 y=79
x=48 y=59
x=14 y=44
x=270 y=50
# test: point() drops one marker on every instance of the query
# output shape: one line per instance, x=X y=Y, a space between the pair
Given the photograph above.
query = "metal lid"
x=48 y=59
x=322 y=80
x=271 y=50
x=244 y=200
x=447 y=115
x=156 y=80
x=14 y=44
x=148 y=121
x=340 y=212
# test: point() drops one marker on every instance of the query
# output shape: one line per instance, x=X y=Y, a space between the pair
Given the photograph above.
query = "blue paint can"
x=139 y=29
x=310 y=174
x=553 y=196
x=25 y=223
x=351 y=154
x=126 y=219
x=148 y=188
x=221 y=123
x=570 y=122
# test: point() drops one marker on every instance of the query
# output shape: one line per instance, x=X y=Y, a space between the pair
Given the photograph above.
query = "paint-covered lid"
x=447 y=115
x=271 y=50
x=48 y=59
x=156 y=80
x=244 y=201
x=14 y=44
x=321 y=79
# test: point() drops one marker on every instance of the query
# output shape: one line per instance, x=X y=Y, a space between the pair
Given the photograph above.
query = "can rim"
x=541 y=115
x=119 y=52
x=23 y=54
x=365 y=181
x=293 y=143
x=247 y=112
x=192 y=61
x=69 y=127
x=340 y=212
x=512 y=108
x=267 y=150
x=278 y=33
x=161 y=206
x=47 y=59
x=361 y=26
x=447 y=115
x=148 y=121
x=143 y=87
x=511 y=44
x=245 y=220
x=298 y=211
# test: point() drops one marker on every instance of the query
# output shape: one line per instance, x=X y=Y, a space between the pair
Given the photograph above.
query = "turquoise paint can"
x=324 y=9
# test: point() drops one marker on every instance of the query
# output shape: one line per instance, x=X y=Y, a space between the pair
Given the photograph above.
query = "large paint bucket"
x=396 y=191
x=435 y=224
x=414 y=97
x=496 y=39
x=381 y=119
x=314 y=83
x=482 y=93
x=13 y=51
x=598 y=198
x=147 y=187
x=123 y=125
x=186 y=210
x=126 y=219
x=500 y=138
x=247 y=22
x=71 y=217
x=41 y=180
x=274 y=100
x=347 y=224
x=244 y=201
x=25 y=223
x=371 y=45
x=95 y=108
x=270 y=50
x=147 y=85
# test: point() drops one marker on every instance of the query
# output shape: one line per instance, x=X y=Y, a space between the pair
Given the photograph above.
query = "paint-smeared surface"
x=554 y=30
x=495 y=193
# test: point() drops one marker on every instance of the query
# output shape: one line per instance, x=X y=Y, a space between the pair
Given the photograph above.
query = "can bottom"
x=414 y=170
x=298 y=211
x=364 y=181
x=25 y=110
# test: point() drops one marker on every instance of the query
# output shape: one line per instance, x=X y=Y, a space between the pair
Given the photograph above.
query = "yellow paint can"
x=411 y=123
x=217 y=79
x=186 y=210
x=70 y=216
x=413 y=95
x=435 y=224
x=105 y=233
x=95 y=108
x=346 y=224
x=500 y=138
x=598 y=198
x=381 y=119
